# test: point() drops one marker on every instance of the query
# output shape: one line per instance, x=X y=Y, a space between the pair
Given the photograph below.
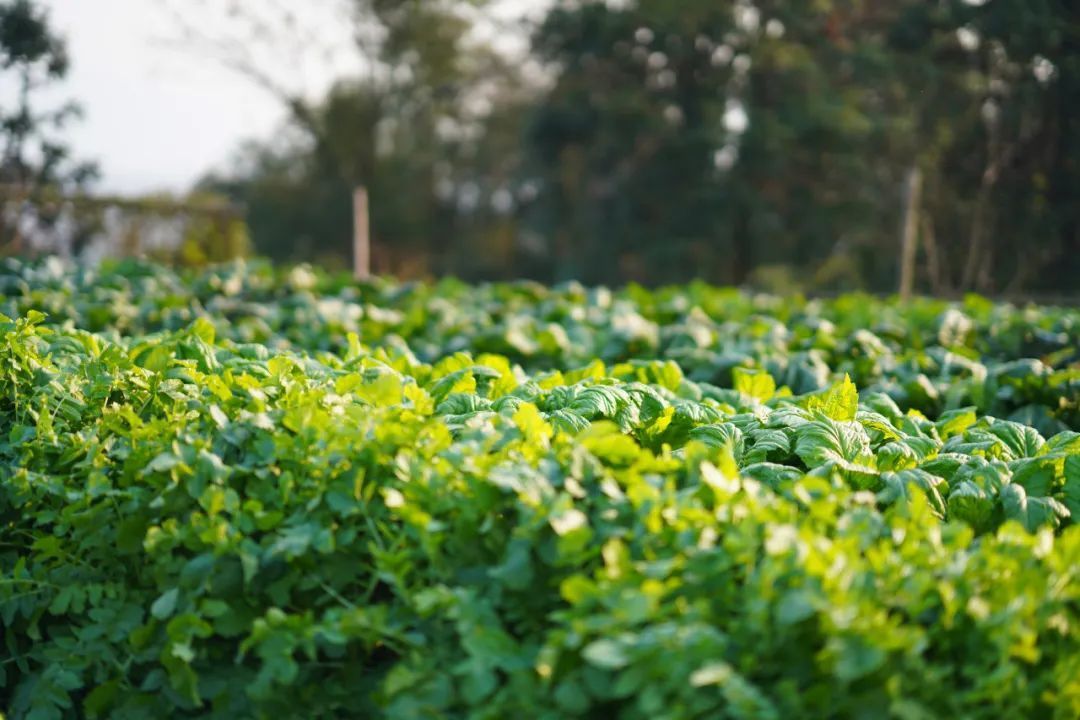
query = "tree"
x=405 y=121
x=737 y=141
x=34 y=56
x=622 y=143
x=1026 y=232
x=713 y=138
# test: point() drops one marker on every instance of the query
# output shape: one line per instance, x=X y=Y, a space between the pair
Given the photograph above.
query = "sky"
x=157 y=116
x=160 y=112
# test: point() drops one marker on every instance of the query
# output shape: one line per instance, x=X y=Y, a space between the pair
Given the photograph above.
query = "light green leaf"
x=839 y=402
x=605 y=653
x=165 y=605
x=756 y=384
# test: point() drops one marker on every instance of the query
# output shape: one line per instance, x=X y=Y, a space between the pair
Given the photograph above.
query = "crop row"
x=1017 y=363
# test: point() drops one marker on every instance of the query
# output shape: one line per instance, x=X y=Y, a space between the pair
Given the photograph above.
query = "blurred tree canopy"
x=739 y=141
x=431 y=126
x=32 y=57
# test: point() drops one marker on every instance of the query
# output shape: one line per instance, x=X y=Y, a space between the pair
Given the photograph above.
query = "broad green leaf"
x=899 y=486
x=756 y=384
x=971 y=504
x=840 y=402
x=955 y=422
x=772 y=474
x=825 y=440
x=1022 y=441
x=1036 y=475
x=1031 y=512
x=1071 y=490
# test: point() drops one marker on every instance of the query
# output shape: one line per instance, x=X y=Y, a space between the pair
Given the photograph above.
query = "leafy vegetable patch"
x=414 y=510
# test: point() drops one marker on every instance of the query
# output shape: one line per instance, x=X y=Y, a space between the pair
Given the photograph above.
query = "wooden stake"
x=910 y=233
x=361 y=235
x=933 y=257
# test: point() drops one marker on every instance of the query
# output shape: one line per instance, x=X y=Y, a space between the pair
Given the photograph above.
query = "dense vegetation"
x=767 y=141
x=244 y=493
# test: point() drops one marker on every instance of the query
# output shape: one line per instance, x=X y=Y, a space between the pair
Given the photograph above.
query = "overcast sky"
x=158 y=114
x=157 y=117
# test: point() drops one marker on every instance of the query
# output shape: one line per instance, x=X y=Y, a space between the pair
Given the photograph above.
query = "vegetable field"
x=256 y=493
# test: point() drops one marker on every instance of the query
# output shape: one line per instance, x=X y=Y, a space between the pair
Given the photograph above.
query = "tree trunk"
x=977 y=238
x=909 y=233
x=933 y=255
x=361 y=235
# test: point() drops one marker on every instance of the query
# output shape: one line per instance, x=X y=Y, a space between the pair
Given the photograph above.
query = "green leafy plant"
x=208 y=509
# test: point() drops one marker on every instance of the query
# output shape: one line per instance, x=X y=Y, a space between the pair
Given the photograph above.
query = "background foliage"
x=33 y=57
x=735 y=141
